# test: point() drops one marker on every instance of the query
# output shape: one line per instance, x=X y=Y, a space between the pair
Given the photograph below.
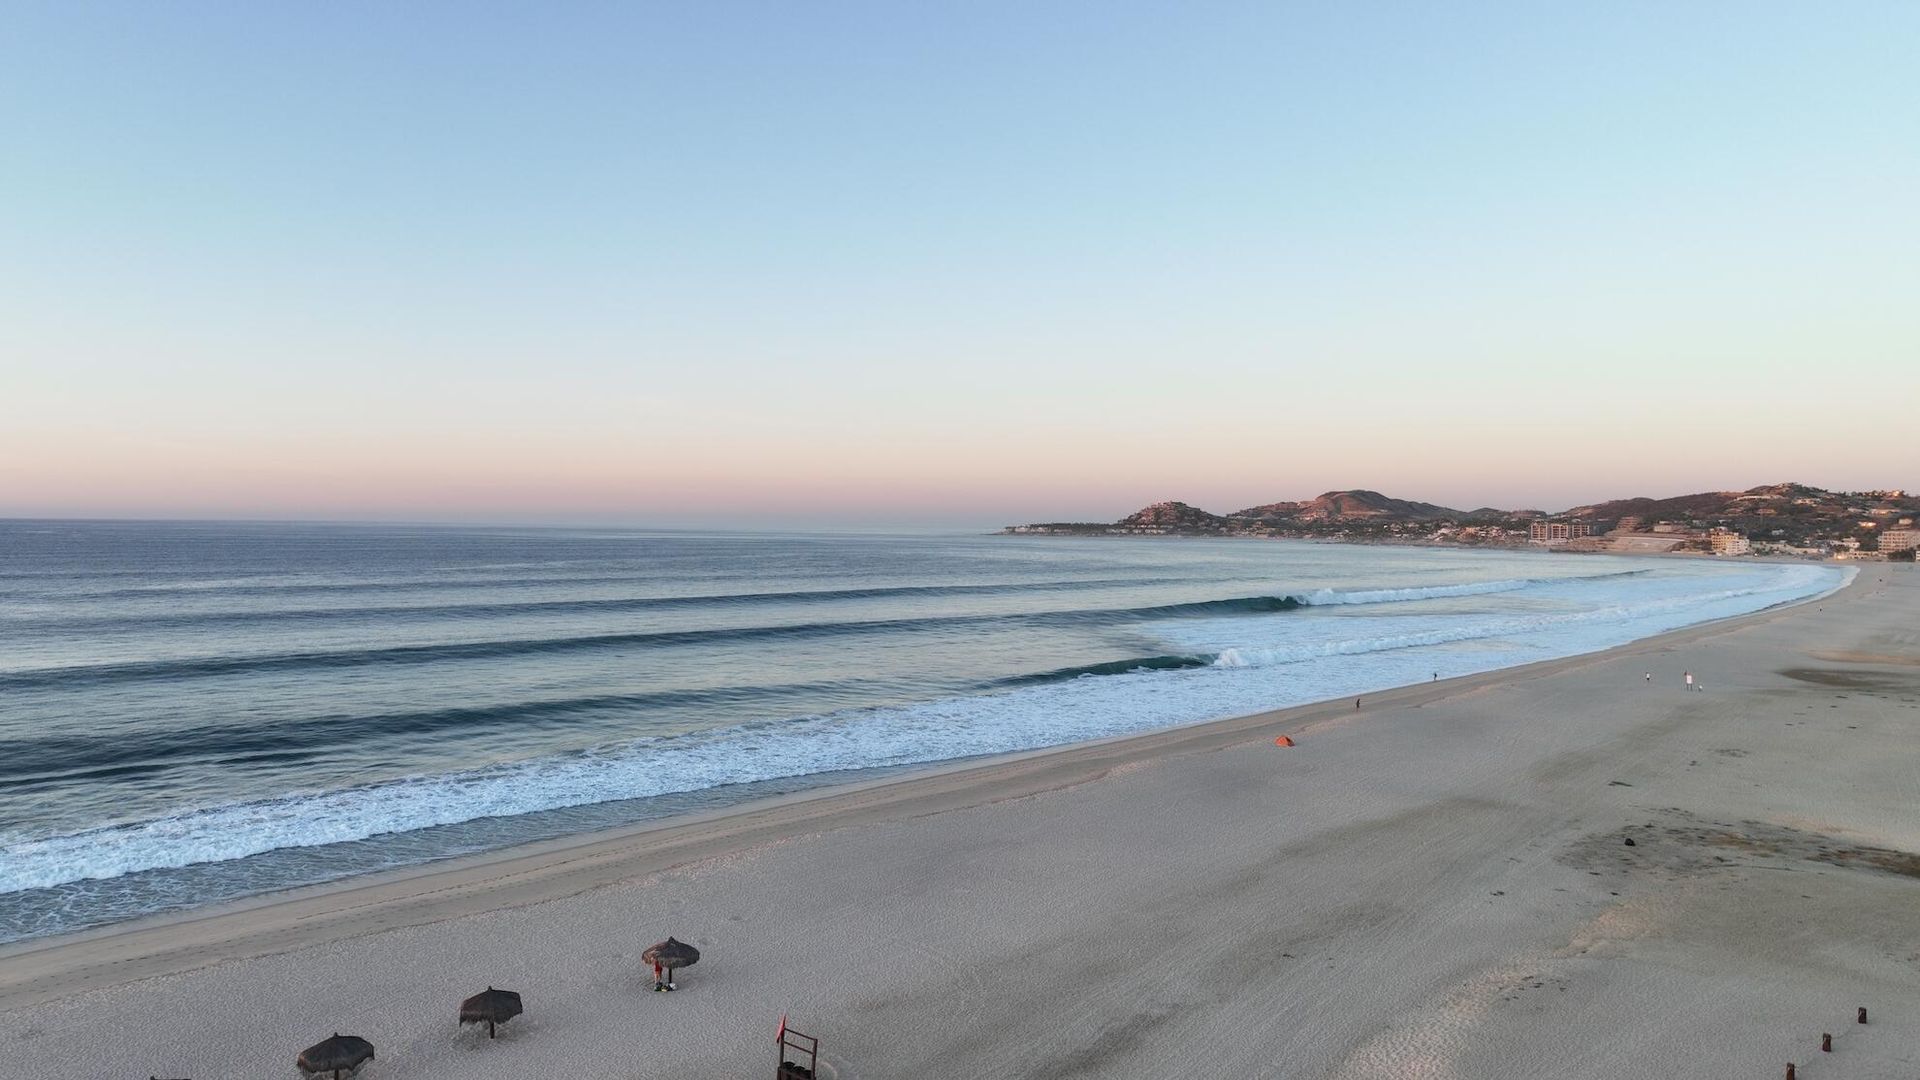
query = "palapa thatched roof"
x=672 y=953
x=491 y=1007
x=342 y=1053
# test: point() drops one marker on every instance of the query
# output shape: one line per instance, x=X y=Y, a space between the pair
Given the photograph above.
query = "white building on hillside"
x=1728 y=542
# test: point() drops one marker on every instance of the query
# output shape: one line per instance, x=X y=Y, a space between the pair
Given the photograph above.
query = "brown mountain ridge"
x=1789 y=513
x=1357 y=505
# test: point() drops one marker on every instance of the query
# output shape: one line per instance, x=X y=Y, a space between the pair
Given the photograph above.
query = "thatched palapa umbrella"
x=340 y=1054
x=669 y=954
x=490 y=1008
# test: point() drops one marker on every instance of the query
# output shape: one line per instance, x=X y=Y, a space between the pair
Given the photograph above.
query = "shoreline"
x=37 y=970
x=202 y=851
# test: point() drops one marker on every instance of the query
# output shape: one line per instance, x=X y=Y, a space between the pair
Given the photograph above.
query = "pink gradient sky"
x=949 y=267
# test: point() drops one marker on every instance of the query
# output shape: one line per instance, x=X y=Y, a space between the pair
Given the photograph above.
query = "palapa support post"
x=1826 y=1043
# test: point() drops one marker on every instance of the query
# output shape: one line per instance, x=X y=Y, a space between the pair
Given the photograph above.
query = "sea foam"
x=1260 y=661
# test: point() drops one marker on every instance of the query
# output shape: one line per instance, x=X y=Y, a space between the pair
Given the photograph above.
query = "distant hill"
x=1784 y=513
x=1358 y=505
x=1780 y=499
x=1789 y=511
x=1489 y=513
x=1173 y=515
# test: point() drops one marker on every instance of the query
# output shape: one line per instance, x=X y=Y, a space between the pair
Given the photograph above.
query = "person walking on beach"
x=1689 y=676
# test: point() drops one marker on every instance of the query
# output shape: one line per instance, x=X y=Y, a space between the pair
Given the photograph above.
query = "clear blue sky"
x=970 y=262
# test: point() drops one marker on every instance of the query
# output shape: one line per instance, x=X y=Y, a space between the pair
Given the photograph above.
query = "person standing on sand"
x=1689 y=676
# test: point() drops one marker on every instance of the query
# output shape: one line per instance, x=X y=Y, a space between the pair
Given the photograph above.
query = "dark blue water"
x=193 y=712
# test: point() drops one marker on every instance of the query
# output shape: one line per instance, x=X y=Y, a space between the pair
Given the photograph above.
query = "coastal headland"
x=1436 y=881
x=1791 y=520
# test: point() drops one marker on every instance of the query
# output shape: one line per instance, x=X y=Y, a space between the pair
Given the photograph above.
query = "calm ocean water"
x=194 y=712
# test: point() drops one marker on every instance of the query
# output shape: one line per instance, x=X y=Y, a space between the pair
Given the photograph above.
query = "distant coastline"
x=1781 y=520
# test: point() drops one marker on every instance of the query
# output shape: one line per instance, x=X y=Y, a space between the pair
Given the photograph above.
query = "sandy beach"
x=1434 y=885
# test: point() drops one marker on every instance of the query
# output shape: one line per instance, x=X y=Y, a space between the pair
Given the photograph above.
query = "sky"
x=970 y=264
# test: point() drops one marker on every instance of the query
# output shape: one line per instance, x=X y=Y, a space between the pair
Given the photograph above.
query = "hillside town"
x=1791 y=520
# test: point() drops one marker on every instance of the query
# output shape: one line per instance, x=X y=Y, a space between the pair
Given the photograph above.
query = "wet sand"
x=1436 y=885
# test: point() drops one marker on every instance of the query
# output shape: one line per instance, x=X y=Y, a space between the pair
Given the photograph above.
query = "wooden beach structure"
x=799 y=1054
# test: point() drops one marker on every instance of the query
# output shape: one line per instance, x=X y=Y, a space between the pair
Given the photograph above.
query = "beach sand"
x=1436 y=885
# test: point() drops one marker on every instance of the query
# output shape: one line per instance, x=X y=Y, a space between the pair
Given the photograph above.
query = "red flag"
x=782 y=1037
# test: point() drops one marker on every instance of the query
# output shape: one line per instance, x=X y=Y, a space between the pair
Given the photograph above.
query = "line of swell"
x=617 y=605
x=1326 y=597
x=94 y=674
x=66 y=758
x=163 y=590
x=1169 y=662
x=419 y=584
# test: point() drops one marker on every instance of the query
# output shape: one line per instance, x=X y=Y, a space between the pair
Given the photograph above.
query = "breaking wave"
x=1047 y=709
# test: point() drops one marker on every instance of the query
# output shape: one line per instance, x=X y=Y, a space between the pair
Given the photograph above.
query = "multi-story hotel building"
x=1558 y=532
x=1900 y=538
x=1728 y=542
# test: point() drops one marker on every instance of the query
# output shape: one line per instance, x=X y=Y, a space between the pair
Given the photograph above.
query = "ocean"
x=194 y=712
